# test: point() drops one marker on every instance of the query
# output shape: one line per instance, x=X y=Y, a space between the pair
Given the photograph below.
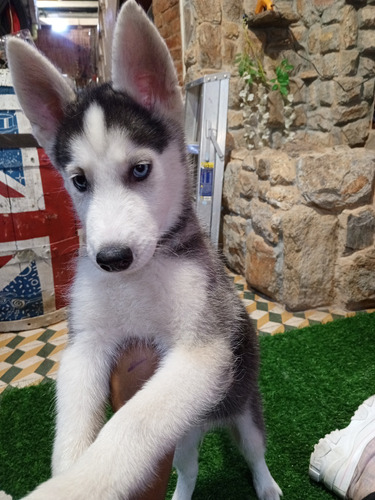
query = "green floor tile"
x=263 y=334
x=14 y=357
x=313 y=322
x=276 y=318
x=10 y=374
x=46 y=335
x=299 y=315
x=14 y=342
x=289 y=327
x=46 y=350
x=45 y=367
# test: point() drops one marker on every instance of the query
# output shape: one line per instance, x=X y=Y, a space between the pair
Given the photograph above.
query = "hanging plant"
x=281 y=82
x=255 y=92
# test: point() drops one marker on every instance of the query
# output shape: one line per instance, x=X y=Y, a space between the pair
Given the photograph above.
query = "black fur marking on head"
x=120 y=110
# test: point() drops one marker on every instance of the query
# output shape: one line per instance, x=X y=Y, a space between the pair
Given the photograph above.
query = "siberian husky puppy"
x=148 y=273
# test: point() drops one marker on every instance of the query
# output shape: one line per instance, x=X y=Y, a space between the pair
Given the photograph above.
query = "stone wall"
x=212 y=40
x=300 y=225
x=167 y=19
x=334 y=52
x=331 y=44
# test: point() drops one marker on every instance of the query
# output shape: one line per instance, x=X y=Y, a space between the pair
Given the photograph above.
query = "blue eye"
x=141 y=171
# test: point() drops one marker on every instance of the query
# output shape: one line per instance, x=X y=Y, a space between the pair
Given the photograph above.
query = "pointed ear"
x=42 y=91
x=142 y=65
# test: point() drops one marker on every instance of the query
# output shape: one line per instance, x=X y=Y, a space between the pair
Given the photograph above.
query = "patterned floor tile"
x=26 y=358
x=318 y=317
x=5 y=352
x=271 y=328
x=4 y=339
x=259 y=317
x=250 y=305
x=296 y=322
x=27 y=370
x=4 y=367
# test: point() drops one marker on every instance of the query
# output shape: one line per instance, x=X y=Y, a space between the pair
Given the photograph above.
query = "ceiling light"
x=58 y=25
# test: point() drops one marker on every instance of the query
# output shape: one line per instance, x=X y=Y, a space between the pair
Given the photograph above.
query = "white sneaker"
x=336 y=456
x=4 y=496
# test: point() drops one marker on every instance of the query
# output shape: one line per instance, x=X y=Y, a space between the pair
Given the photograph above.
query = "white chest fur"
x=164 y=300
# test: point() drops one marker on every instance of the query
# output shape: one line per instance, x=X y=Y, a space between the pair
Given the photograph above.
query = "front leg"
x=82 y=392
x=127 y=450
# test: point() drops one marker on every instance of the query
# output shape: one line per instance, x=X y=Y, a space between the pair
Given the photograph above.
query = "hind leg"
x=186 y=462
x=251 y=442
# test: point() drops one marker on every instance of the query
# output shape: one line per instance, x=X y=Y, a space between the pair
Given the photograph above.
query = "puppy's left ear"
x=142 y=65
x=41 y=90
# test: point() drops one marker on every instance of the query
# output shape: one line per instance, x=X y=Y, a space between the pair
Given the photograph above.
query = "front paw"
x=57 y=488
x=77 y=485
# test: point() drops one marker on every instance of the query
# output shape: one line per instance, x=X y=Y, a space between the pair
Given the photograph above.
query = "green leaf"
x=284 y=79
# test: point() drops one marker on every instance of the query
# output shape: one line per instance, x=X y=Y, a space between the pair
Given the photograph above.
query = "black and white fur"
x=148 y=273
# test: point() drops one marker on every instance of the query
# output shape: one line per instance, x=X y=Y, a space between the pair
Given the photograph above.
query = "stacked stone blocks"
x=300 y=226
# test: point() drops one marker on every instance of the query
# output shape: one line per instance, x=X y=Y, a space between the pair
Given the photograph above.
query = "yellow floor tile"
x=59 y=326
x=60 y=333
x=250 y=305
x=297 y=322
x=261 y=317
x=5 y=338
x=57 y=351
x=321 y=317
x=272 y=328
x=53 y=371
x=4 y=367
x=5 y=352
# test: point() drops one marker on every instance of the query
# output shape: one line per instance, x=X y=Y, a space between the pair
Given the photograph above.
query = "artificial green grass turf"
x=312 y=381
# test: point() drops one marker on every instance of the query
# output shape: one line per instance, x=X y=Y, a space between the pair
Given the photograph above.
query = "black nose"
x=114 y=258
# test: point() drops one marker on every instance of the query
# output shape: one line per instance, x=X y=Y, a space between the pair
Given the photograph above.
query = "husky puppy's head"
x=119 y=147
